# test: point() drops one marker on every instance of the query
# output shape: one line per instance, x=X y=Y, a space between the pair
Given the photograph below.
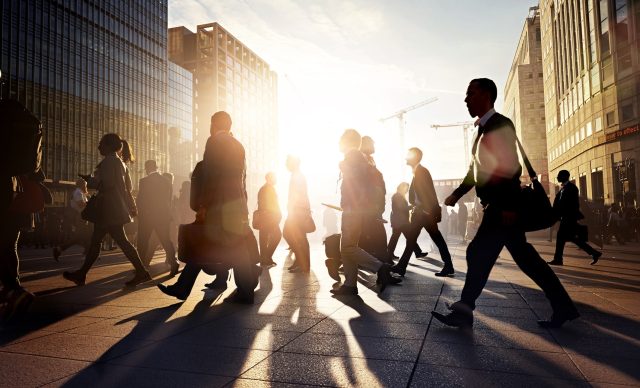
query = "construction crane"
x=400 y=116
x=466 y=125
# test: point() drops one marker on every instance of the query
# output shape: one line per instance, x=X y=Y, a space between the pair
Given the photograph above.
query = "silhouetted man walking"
x=426 y=214
x=154 y=214
x=495 y=173
x=566 y=205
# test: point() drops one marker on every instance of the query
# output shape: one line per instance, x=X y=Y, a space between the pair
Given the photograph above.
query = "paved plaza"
x=298 y=334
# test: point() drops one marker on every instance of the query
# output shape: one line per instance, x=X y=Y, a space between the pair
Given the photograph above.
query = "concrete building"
x=591 y=71
x=86 y=68
x=524 y=96
x=228 y=76
x=181 y=151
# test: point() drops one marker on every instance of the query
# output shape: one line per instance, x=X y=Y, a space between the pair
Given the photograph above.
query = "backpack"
x=22 y=136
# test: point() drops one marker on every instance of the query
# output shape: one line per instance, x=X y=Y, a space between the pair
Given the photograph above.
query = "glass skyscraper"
x=86 y=68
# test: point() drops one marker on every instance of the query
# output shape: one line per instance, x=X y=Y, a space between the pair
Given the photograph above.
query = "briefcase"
x=332 y=246
x=196 y=246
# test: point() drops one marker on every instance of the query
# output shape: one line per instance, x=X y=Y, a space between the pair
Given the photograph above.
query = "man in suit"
x=269 y=220
x=353 y=195
x=426 y=214
x=222 y=205
x=154 y=214
x=495 y=173
x=566 y=205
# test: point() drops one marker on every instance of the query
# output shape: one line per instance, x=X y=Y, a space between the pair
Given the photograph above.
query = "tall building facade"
x=591 y=68
x=86 y=68
x=181 y=152
x=524 y=96
x=229 y=76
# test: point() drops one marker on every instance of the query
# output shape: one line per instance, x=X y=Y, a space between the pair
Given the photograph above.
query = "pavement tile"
x=108 y=375
x=76 y=347
x=259 y=321
x=490 y=358
x=248 y=383
x=212 y=335
x=350 y=346
x=186 y=357
x=503 y=339
x=371 y=329
x=22 y=370
x=445 y=377
x=331 y=371
x=607 y=369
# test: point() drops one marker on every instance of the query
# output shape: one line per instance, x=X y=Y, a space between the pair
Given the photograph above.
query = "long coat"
x=110 y=179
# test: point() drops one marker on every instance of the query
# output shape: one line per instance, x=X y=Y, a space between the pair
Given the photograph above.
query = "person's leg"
x=118 y=235
x=437 y=238
x=144 y=234
x=352 y=255
x=9 y=270
x=561 y=239
x=305 y=250
x=244 y=269
x=482 y=254
x=393 y=241
x=163 y=231
x=183 y=286
x=530 y=262
x=263 y=238
x=274 y=241
x=411 y=235
x=99 y=231
x=585 y=247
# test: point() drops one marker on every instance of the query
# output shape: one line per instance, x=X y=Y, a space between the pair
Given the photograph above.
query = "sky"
x=347 y=63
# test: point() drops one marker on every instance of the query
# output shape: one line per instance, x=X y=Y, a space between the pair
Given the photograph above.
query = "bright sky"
x=347 y=63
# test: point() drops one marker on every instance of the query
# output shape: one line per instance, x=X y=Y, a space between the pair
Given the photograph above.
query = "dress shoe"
x=139 y=277
x=422 y=255
x=175 y=268
x=596 y=257
x=18 y=302
x=555 y=262
x=219 y=283
x=56 y=251
x=385 y=278
x=557 y=320
x=77 y=277
x=445 y=272
x=345 y=290
x=332 y=268
x=239 y=298
x=454 y=319
x=171 y=291
x=400 y=271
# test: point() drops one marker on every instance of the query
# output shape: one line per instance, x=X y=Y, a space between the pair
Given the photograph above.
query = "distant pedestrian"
x=299 y=221
x=80 y=233
x=112 y=211
x=566 y=205
x=400 y=224
x=615 y=224
x=154 y=215
x=267 y=220
x=463 y=216
x=426 y=215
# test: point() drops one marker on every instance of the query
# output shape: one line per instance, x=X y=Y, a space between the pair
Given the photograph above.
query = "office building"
x=86 y=68
x=229 y=76
x=524 y=96
x=591 y=71
x=181 y=151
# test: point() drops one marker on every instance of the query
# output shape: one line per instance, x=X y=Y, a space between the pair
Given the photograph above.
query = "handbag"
x=30 y=199
x=256 y=220
x=536 y=212
x=91 y=211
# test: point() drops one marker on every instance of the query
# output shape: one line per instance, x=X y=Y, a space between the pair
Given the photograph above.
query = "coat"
x=422 y=193
x=399 y=211
x=154 y=198
x=566 y=204
x=110 y=179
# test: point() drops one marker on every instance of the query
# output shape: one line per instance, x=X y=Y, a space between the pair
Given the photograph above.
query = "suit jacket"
x=566 y=203
x=422 y=193
x=225 y=193
x=154 y=198
x=354 y=169
x=268 y=204
x=110 y=179
x=399 y=211
x=494 y=188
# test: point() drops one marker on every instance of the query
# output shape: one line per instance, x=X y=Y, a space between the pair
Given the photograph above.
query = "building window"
x=605 y=46
x=627 y=112
x=597 y=185
x=589 y=129
x=622 y=23
x=591 y=21
x=610 y=118
x=598 y=122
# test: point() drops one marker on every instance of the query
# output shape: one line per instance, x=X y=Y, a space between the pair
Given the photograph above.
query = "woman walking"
x=114 y=209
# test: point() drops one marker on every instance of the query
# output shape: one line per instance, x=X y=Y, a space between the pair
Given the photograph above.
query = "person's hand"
x=451 y=200
x=509 y=218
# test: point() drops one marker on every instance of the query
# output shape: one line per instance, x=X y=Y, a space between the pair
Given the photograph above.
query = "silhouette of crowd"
x=208 y=226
